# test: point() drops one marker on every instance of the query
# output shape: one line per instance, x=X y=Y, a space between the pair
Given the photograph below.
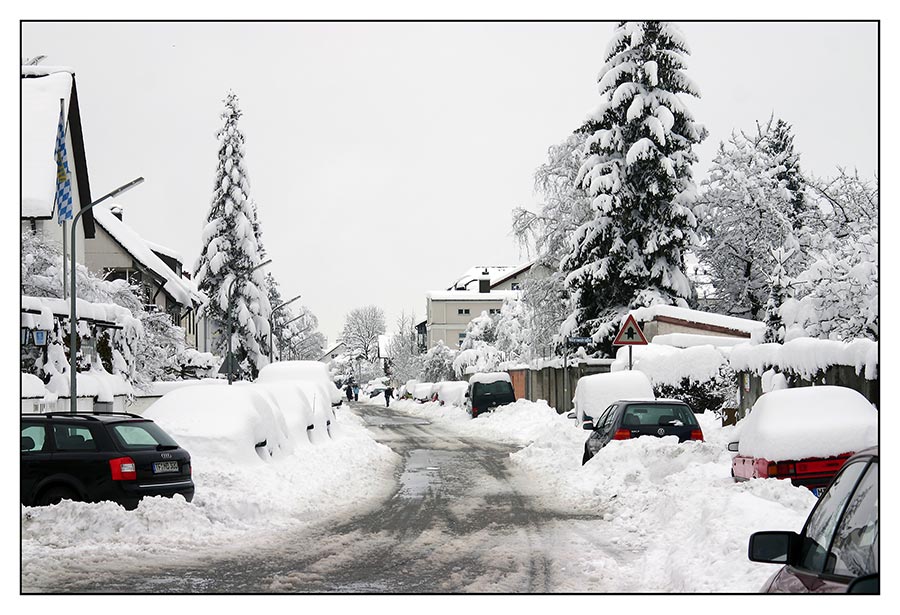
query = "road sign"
x=228 y=360
x=630 y=334
x=581 y=340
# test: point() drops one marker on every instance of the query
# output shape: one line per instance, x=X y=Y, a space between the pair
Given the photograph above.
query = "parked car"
x=626 y=419
x=487 y=391
x=805 y=434
x=837 y=550
x=92 y=457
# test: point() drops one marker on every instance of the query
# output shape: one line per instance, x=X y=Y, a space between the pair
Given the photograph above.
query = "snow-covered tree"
x=437 y=364
x=514 y=334
x=478 y=351
x=754 y=203
x=230 y=251
x=630 y=252
x=836 y=294
x=779 y=288
x=362 y=326
x=404 y=349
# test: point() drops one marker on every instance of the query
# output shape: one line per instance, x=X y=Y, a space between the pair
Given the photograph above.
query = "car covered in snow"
x=837 y=550
x=803 y=434
x=423 y=391
x=627 y=419
x=488 y=390
x=307 y=371
x=594 y=393
x=94 y=457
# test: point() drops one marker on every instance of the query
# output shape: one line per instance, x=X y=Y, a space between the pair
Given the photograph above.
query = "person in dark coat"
x=349 y=391
x=388 y=393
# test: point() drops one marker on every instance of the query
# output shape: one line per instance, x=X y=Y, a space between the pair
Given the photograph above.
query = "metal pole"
x=566 y=377
x=272 y=325
x=73 y=316
x=629 y=357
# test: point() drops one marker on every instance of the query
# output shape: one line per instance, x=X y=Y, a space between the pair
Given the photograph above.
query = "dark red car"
x=814 y=473
x=837 y=551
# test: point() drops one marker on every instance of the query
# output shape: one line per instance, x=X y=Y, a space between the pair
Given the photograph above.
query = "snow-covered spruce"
x=630 y=253
x=230 y=251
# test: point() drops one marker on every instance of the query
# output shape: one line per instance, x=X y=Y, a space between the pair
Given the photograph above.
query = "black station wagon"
x=93 y=457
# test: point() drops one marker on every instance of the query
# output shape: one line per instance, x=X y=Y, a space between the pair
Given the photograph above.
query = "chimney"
x=116 y=211
x=484 y=282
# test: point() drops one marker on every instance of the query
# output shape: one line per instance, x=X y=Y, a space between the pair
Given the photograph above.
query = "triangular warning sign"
x=630 y=334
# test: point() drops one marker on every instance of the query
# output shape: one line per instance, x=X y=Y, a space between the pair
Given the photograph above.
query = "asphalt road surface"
x=460 y=520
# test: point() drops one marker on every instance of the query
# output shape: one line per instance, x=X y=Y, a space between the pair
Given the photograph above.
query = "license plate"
x=165 y=466
x=818 y=491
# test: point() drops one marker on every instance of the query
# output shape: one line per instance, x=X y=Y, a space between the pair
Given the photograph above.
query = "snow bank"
x=669 y=365
x=32 y=386
x=593 y=394
x=488 y=377
x=806 y=356
x=161 y=387
x=820 y=421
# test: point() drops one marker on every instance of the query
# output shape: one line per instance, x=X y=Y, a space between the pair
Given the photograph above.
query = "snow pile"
x=452 y=393
x=311 y=371
x=806 y=356
x=32 y=386
x=159 y=388
x=488 y=377
x=670 y=365
x=243 y=492
x=820 y=421
x=593 y=394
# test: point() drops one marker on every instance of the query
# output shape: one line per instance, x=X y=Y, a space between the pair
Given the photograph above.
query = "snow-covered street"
x=496 y=504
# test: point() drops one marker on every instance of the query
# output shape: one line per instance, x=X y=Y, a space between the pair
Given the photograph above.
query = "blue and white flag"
x=63 y=199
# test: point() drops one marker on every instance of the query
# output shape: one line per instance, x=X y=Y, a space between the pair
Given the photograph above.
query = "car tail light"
x=782 y=469
x=622 y=434
x=123 y=468
x=697 y=434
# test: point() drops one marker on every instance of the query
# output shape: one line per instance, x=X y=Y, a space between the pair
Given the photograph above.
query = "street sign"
x=228 y=360
x=581 y=340
x=630 y=334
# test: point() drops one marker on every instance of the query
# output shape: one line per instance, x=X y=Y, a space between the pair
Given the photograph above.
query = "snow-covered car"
x=488 y=390
x=312 y=371
x=595 y=393
x=837 y=550
x=627 y=419
x=803 y=434
x=452 y=393
x=423 y=391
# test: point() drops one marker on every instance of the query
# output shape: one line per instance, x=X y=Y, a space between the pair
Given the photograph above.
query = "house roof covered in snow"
x=326 y=356
x=720 y=323
x=472 y=295
x=496 y=274
x=177 y=287
x=42 y=89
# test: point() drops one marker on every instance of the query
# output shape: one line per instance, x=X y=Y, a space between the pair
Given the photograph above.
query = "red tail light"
x=622 y=434
x=697 y=434
x=123 y=468
x=782 y=469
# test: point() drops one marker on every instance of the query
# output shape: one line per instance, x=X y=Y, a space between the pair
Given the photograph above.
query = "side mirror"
x=587 y=424
x=773 y=547
x=571 y=415
x=733 y=447
x=867 y=584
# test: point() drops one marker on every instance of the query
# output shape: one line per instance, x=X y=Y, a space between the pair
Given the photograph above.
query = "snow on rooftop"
x=488 y=377
x=752 y=328
x=164 y=250
x=806 y=356
x=471 y=295
x=820 y=421
x=687 y=340
x=39 y=70
x=40 y=118
x=108 y=312
x=137 y=246
x=495 y=273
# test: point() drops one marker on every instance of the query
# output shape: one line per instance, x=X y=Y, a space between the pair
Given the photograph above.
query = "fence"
x=549 y=383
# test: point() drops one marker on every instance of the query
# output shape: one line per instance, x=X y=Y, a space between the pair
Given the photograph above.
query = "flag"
x=63 y=200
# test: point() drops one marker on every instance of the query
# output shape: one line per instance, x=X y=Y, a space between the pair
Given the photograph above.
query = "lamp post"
x=286 y=324
x=228 y=356
x=272 y=325
x=73 y=317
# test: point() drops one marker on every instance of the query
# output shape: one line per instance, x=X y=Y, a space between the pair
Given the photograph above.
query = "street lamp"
x=228 y=356
x=73 y=317
x=272 y=324
x=286 y=324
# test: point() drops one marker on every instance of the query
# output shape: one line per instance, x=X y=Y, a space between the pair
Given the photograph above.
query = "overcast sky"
x=386 y=158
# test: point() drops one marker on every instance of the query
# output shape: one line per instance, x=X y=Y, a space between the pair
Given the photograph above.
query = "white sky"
x=386 y=157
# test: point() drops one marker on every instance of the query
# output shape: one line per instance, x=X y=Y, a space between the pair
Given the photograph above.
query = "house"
x=481 y=289
x=42 y=89
x=118 y=252
x=333 y=352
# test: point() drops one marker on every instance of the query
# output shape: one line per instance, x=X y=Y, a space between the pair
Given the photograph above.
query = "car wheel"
x=56 y=494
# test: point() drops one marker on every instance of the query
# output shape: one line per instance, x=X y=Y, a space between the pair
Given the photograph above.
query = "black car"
x=632 y=419
x=837 y=551
x=93 y=457
x=483 y=396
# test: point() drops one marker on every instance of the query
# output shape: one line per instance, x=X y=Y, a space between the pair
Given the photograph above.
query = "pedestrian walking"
x=355 y=392
x=388 y=393
x=349 y=390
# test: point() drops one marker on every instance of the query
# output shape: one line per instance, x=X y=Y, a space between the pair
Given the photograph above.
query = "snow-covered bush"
x=437 y=364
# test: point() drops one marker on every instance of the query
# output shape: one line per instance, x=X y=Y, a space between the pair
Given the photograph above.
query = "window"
x=462 y=311
x=494 y=311
x=144 y=435
x=854 y=551
x=658 y=414
x=73 y=438
x=825 y=516
x=33 y=438
x=514 y=286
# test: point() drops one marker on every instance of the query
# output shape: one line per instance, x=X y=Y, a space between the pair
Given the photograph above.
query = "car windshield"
x=141 y=435
x=501 y=387
x=676 y=415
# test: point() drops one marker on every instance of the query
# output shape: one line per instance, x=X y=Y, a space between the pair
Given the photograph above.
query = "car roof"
x=651 y=401
x=872 y=451
x=84 y=416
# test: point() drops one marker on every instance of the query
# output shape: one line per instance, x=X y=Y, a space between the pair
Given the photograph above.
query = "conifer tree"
x=630 y=253
x=230 y=252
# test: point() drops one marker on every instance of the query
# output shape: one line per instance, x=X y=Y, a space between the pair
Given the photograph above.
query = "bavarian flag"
x=63 y=200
